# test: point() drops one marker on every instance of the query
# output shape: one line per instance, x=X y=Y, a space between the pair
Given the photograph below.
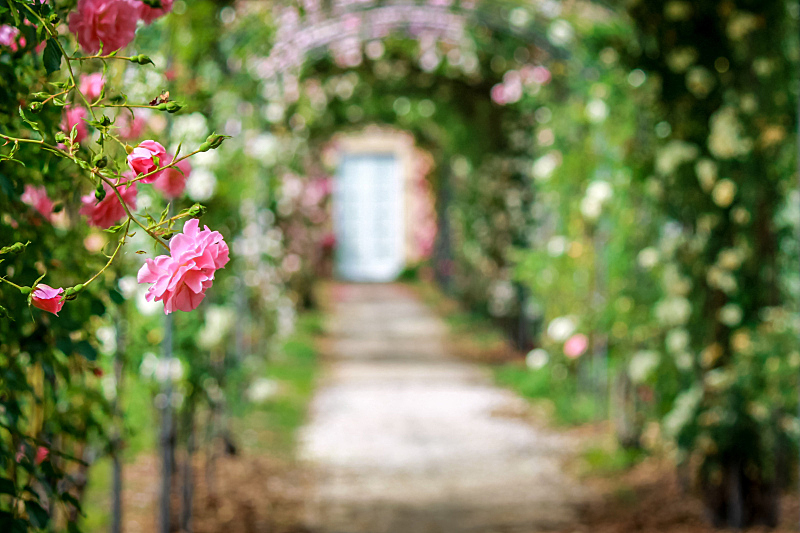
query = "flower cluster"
x=180 y=279
x=111 y=24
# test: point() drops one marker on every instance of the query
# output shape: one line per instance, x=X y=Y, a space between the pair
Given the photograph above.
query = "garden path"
x=404 y=438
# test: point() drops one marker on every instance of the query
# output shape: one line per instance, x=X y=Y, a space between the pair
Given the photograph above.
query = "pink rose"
x=110 y=22
x=149 y=14
x=73 y=116
x=37 y=198
x=172 y=181
x=92 y=85
x=42 y=454
x=576 y=346
x=145 y=158
x=47 y=298
x=8 y=37
x=109 y=210
x=180 y=279
x=130 y=128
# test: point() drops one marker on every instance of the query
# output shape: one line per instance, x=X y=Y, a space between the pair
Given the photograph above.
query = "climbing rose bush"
x=108 y=211
x=180 y=279
x=172 y=181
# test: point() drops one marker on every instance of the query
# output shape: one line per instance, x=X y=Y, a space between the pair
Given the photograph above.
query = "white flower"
x=682 y=411
x=560 y=33
x=561 y=328
x=642 y=364
x=677 y=10
x=544 y=166
x=262 y=389
x=700 y=81
x=596 y=110
x=202 y=184
x=673 y=155
x=726 y=140
x=557 y=245
x=730 y=315
x=724 y=192
x=673 y=311
x=217 y=323
x=677 y=340
x=740 y=24
x=706 y=171
x=597 y=194
x=148 y=365
x=730 y=258
x=537 y=359
x=108 y=339
x=681 y=59
x=721 y=279
x=648 y=258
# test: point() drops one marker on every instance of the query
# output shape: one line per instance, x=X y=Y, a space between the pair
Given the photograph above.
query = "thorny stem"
x=114 y=255
x=128 y=211
x=11 y=283
x=54 y=35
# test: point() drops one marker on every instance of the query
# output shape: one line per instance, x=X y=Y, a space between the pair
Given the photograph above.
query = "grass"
x=566 y=405
x=272 y=427
x=477 y=338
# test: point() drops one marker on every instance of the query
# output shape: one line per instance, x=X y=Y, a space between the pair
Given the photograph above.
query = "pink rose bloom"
x=149 y=14
x=180 y=279
x=147 y=157
x=498 y=94
x=37 y=198
x=111 y=22
x=8 y=37
x=92 y=85
x=172 y=181
x=130 y=128
x=576 y=346
x=42 y=454
x=109 y=211
x=74 y=116
x=47 y=298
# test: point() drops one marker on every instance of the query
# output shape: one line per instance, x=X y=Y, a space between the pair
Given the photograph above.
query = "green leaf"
x=116 y=297
x=7 y=486
x=29 y=121
x=86 y=350
x=38 y=516
x=164 y=214
x=51 y=56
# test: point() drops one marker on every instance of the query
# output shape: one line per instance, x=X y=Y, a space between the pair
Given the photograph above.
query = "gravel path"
x=407 y=439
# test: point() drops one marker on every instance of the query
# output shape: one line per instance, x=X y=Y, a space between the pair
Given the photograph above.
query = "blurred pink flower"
x=180 y=279
x=37 y=198
x=47 y=298
x=130 y=128
x=110 y=22
x=109 y=210
x=541 y=75
x=172 y=181
x=42 y=454
x=576 y=346
x=92 y=85
x=147 y=157
x=8 y=37
x=498 y=94
x=73 y=116
x=149 y=14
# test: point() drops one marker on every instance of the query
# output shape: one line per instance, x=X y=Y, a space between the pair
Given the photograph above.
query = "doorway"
x=368 y=217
